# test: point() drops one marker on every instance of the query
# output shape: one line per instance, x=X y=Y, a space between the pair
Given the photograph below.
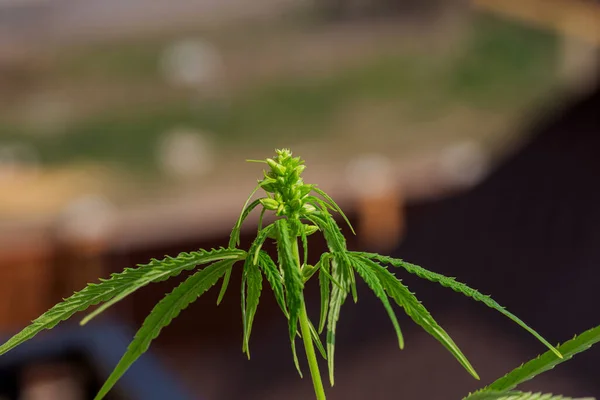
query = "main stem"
x=311 y=356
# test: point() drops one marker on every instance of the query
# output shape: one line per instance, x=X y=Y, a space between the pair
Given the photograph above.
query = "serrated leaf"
x=457 y=287
x=337 y=298
x=292 y=277
x=336 y=242
x=252 y=285
x=545 y=362
x=325 y=289
x=117 y=287
x=341 y=271
x=334 y=205
x=253 y=281
x=417 y=312
x=169 y=267
x=521 y=396
x=258 y=242
x=331 y=231
x=370 y=276
x=162 y=314
x=274 y=278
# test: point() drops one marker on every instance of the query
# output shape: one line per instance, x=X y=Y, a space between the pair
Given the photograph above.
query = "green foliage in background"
x=300 y=210
x=502 y=65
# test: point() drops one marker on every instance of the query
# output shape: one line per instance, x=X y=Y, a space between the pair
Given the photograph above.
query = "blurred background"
x=461 y=135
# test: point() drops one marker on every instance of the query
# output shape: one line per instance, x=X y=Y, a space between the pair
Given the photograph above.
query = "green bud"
x=304 y=190
x=310 y=229
x=280 y=209
x=308 y=208
x=272 y=163
x=296 y=204
x=276 y=167
x=268 y=187
x=270 y=204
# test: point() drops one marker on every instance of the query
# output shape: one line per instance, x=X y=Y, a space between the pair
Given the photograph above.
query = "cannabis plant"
x=300 y=210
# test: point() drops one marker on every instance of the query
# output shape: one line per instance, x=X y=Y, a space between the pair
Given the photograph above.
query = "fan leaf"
x=545 y=362
x=274 y=278
x=325 y=288
x=417 y=312
x=521 y=396
x=460 y=288
x=334 y=206
x=370 y=276
x=292 y=277
x=337 y=298
x=117 y=287
x=253 y=281
x=162 y=314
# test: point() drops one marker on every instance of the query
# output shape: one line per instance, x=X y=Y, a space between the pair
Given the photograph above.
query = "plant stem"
x=311 y=356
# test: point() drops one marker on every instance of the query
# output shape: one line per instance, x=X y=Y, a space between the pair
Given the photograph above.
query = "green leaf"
x=157 y=271
x=274 y=278
x=521 y=396
x=304 y=244
x=371 y=278
x=117 y=287
x=336 y=242
x=260 y=218
x=341 y=272
x=417 y=312
x=457 y=287
x=234 y=238
x=258 y=242
x=309 y=270
x=325 y=287
x=253 y=281
x=162 y=314
x=316 y=339
x=224 y=285
x=334 y=206
x=295 y=358
x=338 y=296
x=292 y=278
x=353 y=287
x=333 y=235
x=545 y=362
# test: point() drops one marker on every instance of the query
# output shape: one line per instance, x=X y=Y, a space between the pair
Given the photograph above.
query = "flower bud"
x=309 y=208
x=269 y=204
x=304 y=190
x=310 y=229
